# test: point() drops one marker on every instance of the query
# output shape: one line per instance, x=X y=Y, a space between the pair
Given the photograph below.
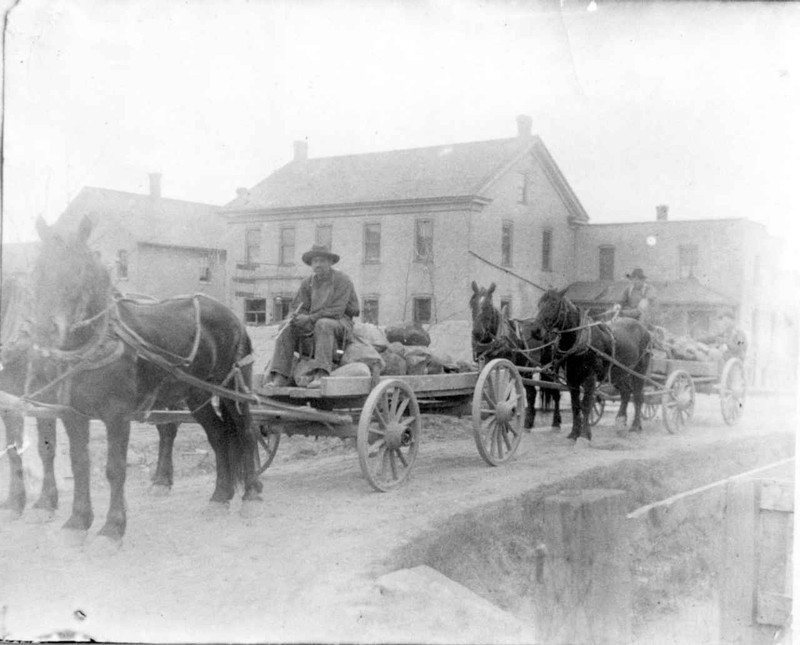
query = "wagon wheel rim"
x=733 y=389
x=597 y=409
x=388 y=434
x=678 y=402
x=498 y=407
x=268 y=445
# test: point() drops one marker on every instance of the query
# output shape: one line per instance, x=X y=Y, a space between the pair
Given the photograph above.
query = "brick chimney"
x=524 y=125
x=662 y=213
x=300 y=150
x=155 y=185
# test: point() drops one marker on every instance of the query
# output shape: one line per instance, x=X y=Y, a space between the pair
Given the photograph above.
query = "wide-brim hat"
x=636 y=273
x=319 y=250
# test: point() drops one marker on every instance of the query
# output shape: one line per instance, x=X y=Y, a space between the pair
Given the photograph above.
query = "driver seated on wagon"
x=324 y=308
x=637 y=299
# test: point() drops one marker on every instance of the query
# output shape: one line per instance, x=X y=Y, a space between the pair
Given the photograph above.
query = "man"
x=324 y=308
x=637 y=298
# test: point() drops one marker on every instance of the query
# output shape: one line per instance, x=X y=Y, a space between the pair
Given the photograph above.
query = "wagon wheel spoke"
x=402 y=459
x=393 y=464
x=497 y=406
x=376 y=447
x=401 y=408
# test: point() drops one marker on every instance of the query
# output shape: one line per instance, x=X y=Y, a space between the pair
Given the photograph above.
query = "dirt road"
x=304 y=570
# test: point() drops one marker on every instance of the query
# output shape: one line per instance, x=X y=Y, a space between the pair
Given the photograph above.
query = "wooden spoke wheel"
x=732 y=390
x=677 y=401
x=389 y=434
x=267 y=447
x=498 y=411
x=649 y=409
x=598 y=408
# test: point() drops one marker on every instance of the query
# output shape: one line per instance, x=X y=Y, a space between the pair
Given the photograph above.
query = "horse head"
x=70 y=287
x=485 y=317
x=555 y=313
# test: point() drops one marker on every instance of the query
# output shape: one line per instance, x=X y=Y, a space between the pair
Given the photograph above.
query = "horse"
x=112 y=359
x=592 y=351
x=14 y=347
x=495 y=336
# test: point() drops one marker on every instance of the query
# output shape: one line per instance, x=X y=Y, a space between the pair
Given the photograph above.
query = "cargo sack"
x=409 y=334
x=351 y=369
x=303 y=371
x=359 y=352
x=418 y=359
x=395 y=364
x=371 y=335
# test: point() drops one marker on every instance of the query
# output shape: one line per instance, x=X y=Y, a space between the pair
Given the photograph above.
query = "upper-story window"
x=687 y=261
x=286 y=254
x=606 y=262
x=252 y=245
x=122 y=264
x=522 y=188
x=423 y=309
x=372 y=243
x=324 y=235
x=370 y=309
x=255 y=311
x=507 y=243
x=547 y=250
x=423 y=240
x=205 y=268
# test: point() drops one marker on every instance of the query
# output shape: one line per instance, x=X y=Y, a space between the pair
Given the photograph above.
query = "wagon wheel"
x=732 y=388
x=498 y=411
x=598 y=408
x=677 y=401
x=267 y=447
x=389 y=434
x=649 y=409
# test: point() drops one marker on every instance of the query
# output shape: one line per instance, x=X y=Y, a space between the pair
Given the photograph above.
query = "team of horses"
x=85 y=352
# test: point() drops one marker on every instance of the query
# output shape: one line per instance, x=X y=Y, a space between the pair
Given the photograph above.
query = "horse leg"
x=215 y=431
x=243 y=453
x=589 y=389
x=15 y=503
x=556 y=396
x=118 y=433
x=163 y=478
x=575 y=400
x=48 y=499
x=530 y=408
x=82 y=515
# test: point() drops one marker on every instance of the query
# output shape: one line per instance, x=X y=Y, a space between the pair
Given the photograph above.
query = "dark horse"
x=112 y=360
x=495 y=336
x=584 y=347
x=14 y=346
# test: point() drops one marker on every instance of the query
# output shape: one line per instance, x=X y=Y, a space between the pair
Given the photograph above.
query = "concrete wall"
x=182 y=265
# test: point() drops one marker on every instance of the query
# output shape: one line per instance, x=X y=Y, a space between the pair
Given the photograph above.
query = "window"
x=522 y=188
x=281 y=307
x=505 y=306
x=255 y=311
x=422 y=309
x=122 y=264
x=205 y=268
x=687 y=261
x=370 y=309
x=547 y=250
x=506 y=243
x=252 y=245
x=325 y=235
x=286 y=254
x=372 y=243
x=606 y=263
x=423 y=240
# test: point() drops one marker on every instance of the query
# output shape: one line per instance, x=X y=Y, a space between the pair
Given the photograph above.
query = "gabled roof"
x=149 y=219
x=677 y=292
x=448 y=172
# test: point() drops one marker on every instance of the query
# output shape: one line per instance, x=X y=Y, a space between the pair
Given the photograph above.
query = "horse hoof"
x=622 y=431
x=582 y=443
x=103 y=545
x=9 y=515
x=555 y=429
x=216 y=509
x=73 y=538
x=251 y=508
x=40 y=516
x=159 y=490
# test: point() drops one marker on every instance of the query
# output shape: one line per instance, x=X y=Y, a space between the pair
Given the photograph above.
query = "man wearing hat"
x=637 y=297
x=324 y=308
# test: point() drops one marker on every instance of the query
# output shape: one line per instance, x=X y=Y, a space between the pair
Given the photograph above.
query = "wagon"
x=673 y=384
x=385 y=418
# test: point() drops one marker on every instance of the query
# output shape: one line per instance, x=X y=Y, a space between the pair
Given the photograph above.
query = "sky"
x=693 y=105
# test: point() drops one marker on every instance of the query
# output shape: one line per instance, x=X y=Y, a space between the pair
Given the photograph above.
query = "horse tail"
x=241 y=438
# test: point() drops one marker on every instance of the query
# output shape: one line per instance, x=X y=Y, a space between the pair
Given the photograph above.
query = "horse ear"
x=85 y=229
x=491 y=288
x=475 y=286
x=563 y=292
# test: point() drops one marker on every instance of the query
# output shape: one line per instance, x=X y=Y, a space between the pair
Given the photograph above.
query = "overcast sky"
x=691 y=105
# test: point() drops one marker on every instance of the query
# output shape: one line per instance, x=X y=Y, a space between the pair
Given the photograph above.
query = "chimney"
x=155 y=185
x=662 y=213
x=300 y=150
x=524 y=125
x=242 y=193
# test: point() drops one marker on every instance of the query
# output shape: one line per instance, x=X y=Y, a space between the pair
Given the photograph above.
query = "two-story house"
x=153 y=245
x=413 y=228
